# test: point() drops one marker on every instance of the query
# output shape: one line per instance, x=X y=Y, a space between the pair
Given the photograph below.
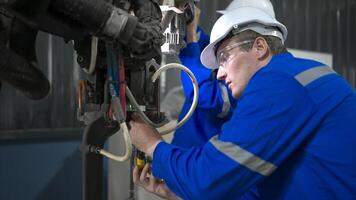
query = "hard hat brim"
x=208 y=57
x=222 y=12
x=241 y=19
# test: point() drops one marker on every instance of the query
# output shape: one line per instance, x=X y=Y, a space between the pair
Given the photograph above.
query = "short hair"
x=275 y=44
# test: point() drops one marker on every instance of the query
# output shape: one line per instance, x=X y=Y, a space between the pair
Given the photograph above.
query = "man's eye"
x=224 y=57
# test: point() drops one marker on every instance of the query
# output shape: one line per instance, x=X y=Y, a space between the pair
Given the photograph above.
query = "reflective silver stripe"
x=225 y=96
x=312 y=74
x=243 y=157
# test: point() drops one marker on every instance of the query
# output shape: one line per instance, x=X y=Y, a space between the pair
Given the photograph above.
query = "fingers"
x=151 y=184
x=134 y=119
x=135 y=175
x=137 y=120
x=135 y=116
x=139 y=178
x=143 y=176
x=144 y=179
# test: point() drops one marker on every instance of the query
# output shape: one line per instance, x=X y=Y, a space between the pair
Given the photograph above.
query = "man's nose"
x=221 y=75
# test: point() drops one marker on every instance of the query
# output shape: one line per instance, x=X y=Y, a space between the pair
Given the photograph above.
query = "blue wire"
x=112 y=70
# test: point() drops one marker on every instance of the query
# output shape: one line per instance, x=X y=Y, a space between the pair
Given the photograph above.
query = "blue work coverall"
x=293 y=135
x=213 y=108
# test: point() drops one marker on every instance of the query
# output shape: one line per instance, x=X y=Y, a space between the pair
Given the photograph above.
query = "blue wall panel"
x=46 y=170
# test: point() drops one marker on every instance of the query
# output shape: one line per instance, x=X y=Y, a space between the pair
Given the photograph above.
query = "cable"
x=93 y=56
x=140 y=112
x=128 y=147
x=112 y=69
x=195 y=97
x=116 y=106
x=113 y=75
x=120 y=117
x=122 y=85
x=154 y=77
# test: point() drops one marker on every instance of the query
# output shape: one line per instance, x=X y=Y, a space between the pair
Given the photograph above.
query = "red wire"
x=122 y=85
x=110 y=113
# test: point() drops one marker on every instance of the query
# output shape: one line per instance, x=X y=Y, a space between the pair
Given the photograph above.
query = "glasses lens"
x=223 y=55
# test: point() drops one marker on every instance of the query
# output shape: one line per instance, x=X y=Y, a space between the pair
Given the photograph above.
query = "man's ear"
x=261 y=48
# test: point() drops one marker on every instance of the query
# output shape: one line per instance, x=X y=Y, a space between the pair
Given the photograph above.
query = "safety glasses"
x=224 y=55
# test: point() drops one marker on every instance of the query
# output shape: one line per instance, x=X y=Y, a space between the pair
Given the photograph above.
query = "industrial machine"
x=119 y=44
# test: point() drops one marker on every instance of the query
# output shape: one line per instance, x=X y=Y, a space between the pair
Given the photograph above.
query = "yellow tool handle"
x=140 y=159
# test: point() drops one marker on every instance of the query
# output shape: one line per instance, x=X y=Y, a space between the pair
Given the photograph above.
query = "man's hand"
x=192 y=27
x=152 y=184
x=143 y=136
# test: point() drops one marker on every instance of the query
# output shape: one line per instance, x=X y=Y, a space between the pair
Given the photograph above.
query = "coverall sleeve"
x=209 y=92
x=270 y=122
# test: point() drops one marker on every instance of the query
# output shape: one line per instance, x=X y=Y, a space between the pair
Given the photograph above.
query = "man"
x=214 y=107
x=292 y=134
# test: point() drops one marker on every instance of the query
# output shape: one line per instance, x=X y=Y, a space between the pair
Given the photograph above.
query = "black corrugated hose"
x=22 y=75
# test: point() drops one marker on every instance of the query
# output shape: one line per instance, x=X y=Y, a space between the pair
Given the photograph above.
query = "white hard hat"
x=264 y=5
x=241 y=19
